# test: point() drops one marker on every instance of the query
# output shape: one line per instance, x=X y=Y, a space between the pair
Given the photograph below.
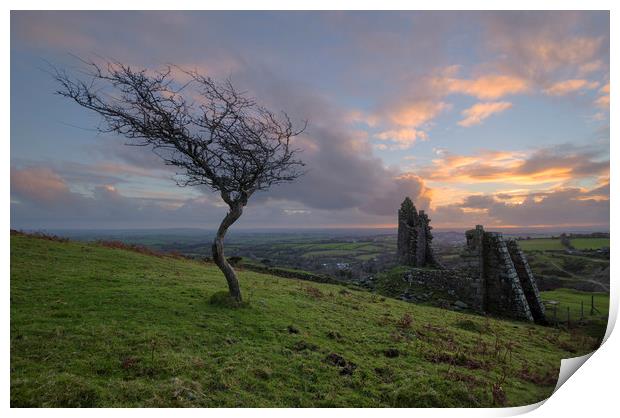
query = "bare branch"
x=216 y=135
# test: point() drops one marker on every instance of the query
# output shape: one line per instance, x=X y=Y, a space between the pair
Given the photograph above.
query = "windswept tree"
x=215 y=135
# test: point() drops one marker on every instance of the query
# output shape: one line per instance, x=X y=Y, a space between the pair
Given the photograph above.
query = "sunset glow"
x=493 y=118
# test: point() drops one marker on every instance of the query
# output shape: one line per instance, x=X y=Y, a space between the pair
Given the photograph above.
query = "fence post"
x=581 y=319
x=593 y=309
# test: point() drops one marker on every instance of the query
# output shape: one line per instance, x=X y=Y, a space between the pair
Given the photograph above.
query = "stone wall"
x=504 y=295
x=496 y=277
x=455 y=287
x=506 y=286
x=414 y=237
x=528 y=282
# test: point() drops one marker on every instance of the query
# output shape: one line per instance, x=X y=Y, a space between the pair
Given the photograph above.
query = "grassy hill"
x=98 y=326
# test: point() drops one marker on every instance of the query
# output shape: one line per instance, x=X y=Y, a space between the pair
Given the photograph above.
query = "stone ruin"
x=414 y=237
x=496 y=278
x=501 y=277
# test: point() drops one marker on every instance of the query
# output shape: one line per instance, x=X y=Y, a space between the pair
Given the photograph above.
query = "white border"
x=592 y=392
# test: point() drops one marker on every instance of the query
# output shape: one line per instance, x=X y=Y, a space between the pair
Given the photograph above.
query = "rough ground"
x=98 y=326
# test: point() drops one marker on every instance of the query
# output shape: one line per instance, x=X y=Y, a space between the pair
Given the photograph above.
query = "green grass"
x=570 y=270
x=541 y=244
x=366 y=257
x=328 y=253
x=570 y=300
x=589 y=243
x=95 y=326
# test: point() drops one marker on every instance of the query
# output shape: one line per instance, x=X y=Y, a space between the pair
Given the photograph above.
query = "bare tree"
x=218 y=137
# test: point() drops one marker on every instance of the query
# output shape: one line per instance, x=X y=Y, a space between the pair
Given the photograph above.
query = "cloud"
x=539 y=45
x=559 y=207
x=401 y=138
x=44 y=29
x=416 y=110
x=417 y=113
x=107 y=207
x=603 y=100
x=38 y=184
x=605 y=89
x=344 y=182
x=401 y=98
x=486 y=87
x=480 y=111
x=386 y=202
x=569 y=86
x=556 y=164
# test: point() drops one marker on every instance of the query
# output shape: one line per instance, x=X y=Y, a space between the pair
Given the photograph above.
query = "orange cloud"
x=543 y=167
x=417 y=113
x=568 y=86
x=480 y=111
x=575 y=50
x=605 y=89
x=591 y=67
x=535 y=52
x=488 y=87
x=38 y=184
x=401 y=138
x=603 y=101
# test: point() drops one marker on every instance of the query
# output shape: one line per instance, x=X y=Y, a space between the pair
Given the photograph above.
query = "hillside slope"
x=96 y=326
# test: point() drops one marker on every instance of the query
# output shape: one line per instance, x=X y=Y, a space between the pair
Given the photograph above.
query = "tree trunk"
x=218 y=251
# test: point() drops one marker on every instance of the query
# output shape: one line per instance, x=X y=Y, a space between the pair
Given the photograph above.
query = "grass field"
x=589 y=243
x=95 y=326
x=541 y=244
x=570 y=301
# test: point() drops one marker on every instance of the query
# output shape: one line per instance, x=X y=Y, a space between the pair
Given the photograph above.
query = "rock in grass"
x=391 y=352
x=346 y=367
x=304 y=345
x=461 y=304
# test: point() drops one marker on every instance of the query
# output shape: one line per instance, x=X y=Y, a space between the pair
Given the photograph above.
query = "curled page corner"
x=568 y=367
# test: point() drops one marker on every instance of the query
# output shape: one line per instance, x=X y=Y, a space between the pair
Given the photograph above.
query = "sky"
x=493 y=118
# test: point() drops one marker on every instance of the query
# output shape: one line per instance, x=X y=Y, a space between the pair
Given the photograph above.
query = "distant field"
x=541 y=244
x=328 y=253
x=589 y=243
x=365 y=257
x=544 y=244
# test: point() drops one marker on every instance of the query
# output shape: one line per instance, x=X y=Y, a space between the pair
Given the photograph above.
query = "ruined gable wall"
x=496 y=278
x=528 y=283
x=504 y=294
x=414 y=237
x=420 y=245
x=407 y=219
x=472 y=257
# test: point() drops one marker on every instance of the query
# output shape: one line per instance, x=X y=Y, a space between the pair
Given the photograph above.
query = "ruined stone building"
x=496 y=277
x=414 y=237
x=501 y=276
